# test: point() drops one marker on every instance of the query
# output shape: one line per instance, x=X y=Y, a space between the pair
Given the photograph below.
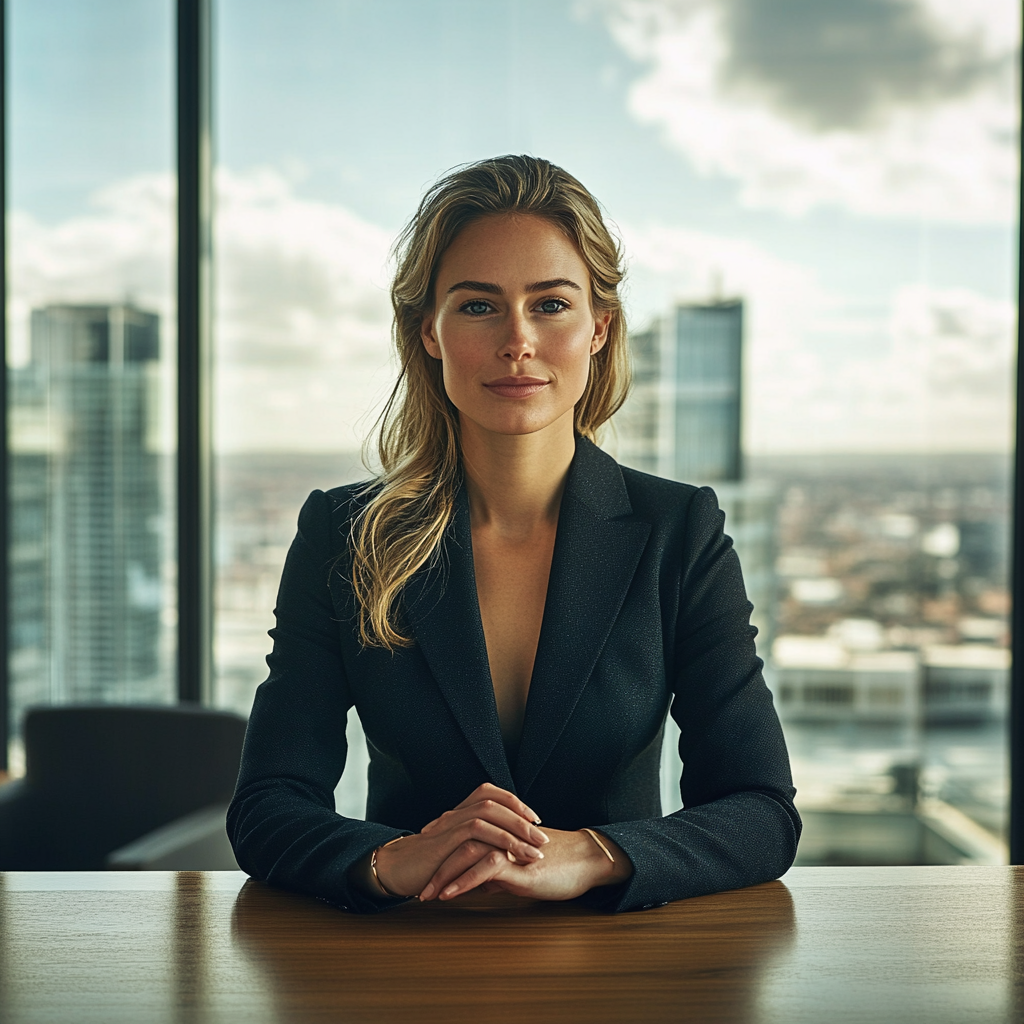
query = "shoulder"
x=660 y=499
x=349 y=500
x=325 y=519
x=687 y=525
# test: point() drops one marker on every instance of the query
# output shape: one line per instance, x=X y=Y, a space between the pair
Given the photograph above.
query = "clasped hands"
x=491 y=841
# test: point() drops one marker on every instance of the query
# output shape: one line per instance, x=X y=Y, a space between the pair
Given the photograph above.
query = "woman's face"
x=513 y=324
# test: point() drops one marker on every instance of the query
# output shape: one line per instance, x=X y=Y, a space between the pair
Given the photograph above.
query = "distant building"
x=819 y=680
x=684 y=418
x=965 y=683
x=641 y=425
x=684 y=421
x=87 y=501
x=707 y=342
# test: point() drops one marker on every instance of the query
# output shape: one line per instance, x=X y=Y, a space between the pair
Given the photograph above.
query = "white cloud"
x=303 y=324
x=784 y=304
x=120 y=250
x=935 y=376
x=957 y=349
x=303 y=319
x=862 y=122
x=931 y=370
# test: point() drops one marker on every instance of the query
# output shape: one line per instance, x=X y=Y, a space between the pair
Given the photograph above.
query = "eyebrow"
x=495 y=289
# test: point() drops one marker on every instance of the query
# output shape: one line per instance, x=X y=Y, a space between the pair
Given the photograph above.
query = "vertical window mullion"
x=195 y=605
x=5 y=702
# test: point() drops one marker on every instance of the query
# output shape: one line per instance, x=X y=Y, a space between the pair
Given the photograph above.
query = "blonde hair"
x=410 y=505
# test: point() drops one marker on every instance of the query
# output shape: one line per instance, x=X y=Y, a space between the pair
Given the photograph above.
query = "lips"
x=516 y=387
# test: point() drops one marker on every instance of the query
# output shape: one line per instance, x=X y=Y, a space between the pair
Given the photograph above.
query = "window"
x=817 y=202
x=90 y=353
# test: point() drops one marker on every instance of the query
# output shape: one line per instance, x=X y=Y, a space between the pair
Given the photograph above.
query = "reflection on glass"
x=817 y=206
x=90 y=387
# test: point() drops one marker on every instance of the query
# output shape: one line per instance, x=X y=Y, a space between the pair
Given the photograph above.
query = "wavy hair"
x=410 y=505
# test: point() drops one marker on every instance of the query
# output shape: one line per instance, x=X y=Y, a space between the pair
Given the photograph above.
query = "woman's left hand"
x=572 y=864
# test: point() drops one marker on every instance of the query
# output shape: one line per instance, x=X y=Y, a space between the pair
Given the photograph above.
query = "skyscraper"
x=684 y=416
x=683 y=421
x=707 y=343
x=88 y=497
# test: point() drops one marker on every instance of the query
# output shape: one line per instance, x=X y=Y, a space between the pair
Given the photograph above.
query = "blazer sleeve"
x=738 y=825
x=281 y=822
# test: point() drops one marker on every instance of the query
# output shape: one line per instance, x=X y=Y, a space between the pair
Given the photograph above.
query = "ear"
x=428 y=337
x=601 y=324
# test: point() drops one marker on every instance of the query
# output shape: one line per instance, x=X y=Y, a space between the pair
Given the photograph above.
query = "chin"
x=517 y=425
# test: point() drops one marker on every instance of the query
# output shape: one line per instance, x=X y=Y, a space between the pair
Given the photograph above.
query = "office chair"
x=122 y=786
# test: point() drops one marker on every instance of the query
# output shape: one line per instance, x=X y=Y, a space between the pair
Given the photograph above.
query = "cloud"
x=783 y=298
x=845 y=65
x=958 y=348
x=302 y=331
x=121 y=249
x=891 y=108
x=928 y=370
x=784 y=305
x=309 y=274
x=303 y=318
x=934 y=375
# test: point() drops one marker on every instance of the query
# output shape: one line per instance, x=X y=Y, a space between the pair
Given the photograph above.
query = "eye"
x=475 y=307
x=553 y=306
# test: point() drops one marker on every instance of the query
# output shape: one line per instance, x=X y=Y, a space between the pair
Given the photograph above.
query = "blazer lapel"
x=596 y=554
x=444 y=613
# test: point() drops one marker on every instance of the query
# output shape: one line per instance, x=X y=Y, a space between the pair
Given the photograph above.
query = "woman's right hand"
x=489 y=818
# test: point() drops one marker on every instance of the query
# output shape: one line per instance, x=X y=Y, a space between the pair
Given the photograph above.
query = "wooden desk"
x=829 y=945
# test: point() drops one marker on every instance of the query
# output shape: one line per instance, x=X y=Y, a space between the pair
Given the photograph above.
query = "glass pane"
x=91 y=315
x=817 y=202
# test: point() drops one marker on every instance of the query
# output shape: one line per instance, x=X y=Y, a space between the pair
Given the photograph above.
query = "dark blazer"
x=645 y=609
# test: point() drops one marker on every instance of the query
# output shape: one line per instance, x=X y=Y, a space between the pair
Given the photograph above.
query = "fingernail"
x=450 y=891
x=536 y=820
x=508 y=853
x=428 y=892
x=533 y=853
x=540 y=837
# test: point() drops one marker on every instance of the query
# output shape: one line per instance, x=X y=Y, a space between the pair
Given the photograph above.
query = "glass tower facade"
x=708 y=350
x=88 y=483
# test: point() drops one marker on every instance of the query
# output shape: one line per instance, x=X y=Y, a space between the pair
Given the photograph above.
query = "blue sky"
x=358 y=106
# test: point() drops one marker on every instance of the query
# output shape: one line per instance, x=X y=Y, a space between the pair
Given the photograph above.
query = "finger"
x=487 y=869
x=494 y=835
x=491 y=811
x=500 y=815
x=488 y=791
x=473 y=840
x=461 y=859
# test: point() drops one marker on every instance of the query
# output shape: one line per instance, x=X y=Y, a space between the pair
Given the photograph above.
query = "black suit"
x=645 y=607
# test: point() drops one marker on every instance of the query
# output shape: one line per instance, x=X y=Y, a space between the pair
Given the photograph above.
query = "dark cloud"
x=843 y=63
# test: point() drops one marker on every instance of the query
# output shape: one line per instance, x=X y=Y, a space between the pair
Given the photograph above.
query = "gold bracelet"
x=373 y=867
x=593 y=835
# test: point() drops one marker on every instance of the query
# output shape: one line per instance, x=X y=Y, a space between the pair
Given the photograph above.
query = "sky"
x=849 y=167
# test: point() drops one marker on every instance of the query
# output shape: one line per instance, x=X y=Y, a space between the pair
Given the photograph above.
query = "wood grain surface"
x=823 y=945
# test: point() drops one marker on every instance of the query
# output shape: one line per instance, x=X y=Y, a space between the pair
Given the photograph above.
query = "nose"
x=519 y=343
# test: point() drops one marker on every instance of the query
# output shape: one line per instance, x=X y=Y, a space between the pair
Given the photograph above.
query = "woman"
x=511 y=612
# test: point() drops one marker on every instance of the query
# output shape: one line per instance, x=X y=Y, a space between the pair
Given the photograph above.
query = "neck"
x=515 y=482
